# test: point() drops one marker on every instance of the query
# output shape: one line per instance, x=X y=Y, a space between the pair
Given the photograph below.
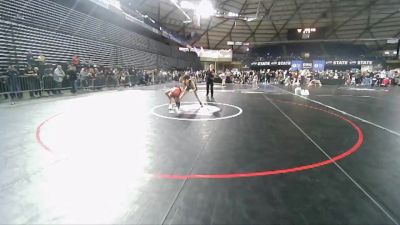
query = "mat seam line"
x=186 y=179
x=335 y=163
x=344 y=113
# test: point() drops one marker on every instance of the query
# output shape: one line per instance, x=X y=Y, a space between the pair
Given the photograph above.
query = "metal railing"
x=35 y=85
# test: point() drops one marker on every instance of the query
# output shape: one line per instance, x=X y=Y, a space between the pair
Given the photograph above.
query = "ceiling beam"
x=397 y=35
x=159 y=11
x=248 y=26
x=298 y=7
x=369 y=30
x=259 y=22
x=360 y=11
x=370 y=26
x=269 y=16
x=223 y=3
x=376 y=42
x=212 y=27
x=327 y=10
x=300 y=16
x=332 y=11
x=169 y=13
x=233 y=25
x=208 y=38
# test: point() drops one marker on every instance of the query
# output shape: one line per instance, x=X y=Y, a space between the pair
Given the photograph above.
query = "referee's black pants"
x=210 y=84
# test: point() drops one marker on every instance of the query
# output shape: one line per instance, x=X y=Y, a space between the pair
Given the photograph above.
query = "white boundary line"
x=199 y=119
x=345 y=113
x=334 y=162
x=362 y=89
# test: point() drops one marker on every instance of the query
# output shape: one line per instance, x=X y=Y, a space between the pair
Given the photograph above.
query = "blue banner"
x=296 y=65
x=319 y=65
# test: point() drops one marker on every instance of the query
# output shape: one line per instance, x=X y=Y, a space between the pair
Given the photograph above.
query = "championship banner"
x=296 y=65
x=319 y=65
x=208 y=55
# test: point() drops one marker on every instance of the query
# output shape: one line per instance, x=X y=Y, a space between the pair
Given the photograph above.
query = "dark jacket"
x=210 y=74
x=72 y=74
x=12 y=73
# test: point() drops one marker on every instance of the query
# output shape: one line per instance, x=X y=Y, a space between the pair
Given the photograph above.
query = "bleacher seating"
x=343 y=50
x=298 y=49
x=60 y=32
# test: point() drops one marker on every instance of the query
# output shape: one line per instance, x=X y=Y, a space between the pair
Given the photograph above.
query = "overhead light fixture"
x=232 y=14
x=187 y=5
x=180 y=9
x=249 y=19
x=205 y=9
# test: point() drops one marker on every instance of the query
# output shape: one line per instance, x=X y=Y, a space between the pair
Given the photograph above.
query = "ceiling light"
x=232 y=14
x=187 y=5
x=249 y=19
x=205 y=9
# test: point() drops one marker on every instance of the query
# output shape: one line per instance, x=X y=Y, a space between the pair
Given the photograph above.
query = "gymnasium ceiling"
x=366 y=21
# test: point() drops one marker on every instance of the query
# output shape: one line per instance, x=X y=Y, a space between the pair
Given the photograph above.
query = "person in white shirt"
x=58 y=77
x=84 y=75
x=382 y=76
x=223 y=78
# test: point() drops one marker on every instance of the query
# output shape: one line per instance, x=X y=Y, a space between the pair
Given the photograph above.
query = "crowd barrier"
x=36 y=85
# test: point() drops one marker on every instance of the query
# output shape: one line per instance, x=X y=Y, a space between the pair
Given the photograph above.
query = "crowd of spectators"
x=377 y=78
x=38 y=77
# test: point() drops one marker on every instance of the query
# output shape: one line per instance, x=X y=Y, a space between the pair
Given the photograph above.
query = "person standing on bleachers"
x=30 y=59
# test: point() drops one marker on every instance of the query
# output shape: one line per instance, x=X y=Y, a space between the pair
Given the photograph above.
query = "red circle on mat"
x=348 y=152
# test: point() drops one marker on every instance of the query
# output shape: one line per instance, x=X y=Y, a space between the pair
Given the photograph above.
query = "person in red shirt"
x=174 y=93
x=76 y=61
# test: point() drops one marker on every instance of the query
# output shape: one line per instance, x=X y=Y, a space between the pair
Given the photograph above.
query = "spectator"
x=90 y=62
x=116 y=76
x=76 y=61
x=382 y=76
x=41 y=64
x=83 y=77
x=223 y=78
x=108 y=73
x=13 y=83
x=30 y=59
x=58 y=77
x=98 y=79
x=31 y=82
x=124 y=77
x=72 y=77
x=146 y=77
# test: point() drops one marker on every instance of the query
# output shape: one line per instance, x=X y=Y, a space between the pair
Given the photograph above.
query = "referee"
x=210 y=74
